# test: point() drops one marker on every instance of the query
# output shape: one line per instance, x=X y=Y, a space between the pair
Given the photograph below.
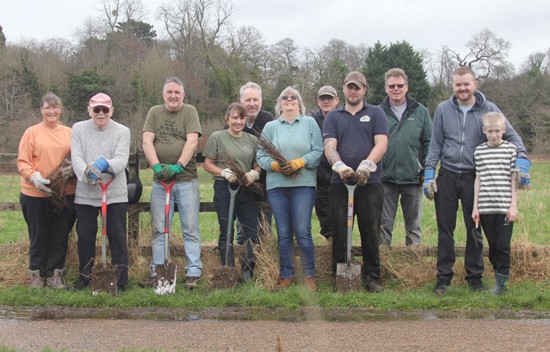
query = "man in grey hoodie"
x=456 y=132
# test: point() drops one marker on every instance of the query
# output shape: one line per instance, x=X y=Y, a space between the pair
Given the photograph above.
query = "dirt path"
x=457 y=334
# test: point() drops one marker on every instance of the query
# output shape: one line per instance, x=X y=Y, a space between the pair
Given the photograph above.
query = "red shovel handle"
x=168 y=188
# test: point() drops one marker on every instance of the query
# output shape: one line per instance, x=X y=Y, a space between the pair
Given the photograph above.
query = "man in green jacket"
x=410 y=131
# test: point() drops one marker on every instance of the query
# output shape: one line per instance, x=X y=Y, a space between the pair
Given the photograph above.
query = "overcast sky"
x=426 y=24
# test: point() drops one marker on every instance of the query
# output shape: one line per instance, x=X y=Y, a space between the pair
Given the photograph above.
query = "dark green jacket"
x=408 y=144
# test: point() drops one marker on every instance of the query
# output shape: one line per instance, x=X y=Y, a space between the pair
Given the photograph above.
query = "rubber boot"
x=36 y=281
x=248 y=262
x=231 y=260
x=56 y=280
x=501 y=282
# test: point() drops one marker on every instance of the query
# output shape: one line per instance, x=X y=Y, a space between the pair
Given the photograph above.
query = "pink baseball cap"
x=101 y=99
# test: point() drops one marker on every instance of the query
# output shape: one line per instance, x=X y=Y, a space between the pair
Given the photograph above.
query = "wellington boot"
x=501 y=282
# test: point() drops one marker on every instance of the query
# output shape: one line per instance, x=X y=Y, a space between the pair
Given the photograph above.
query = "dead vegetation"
x=410 y=267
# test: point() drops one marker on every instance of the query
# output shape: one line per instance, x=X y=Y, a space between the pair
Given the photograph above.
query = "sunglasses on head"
x=392 y=86
x=289 y=97
x=99 y=109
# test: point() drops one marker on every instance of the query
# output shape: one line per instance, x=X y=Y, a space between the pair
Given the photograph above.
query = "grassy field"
x=533 y=228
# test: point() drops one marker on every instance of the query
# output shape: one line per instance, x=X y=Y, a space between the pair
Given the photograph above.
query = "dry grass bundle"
x=407 y=265
x=529 y=261
x=58 y=184
x=232 y=164
x=266 y=272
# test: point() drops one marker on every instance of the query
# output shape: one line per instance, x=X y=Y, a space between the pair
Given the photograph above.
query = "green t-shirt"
x=242 y=149
x=171 y=130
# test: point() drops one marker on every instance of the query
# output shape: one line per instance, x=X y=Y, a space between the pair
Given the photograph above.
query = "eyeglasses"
x=400 y=86
x=105 y=110
x=289 y=97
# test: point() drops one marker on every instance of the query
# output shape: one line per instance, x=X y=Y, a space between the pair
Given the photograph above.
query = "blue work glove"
x=524 y=178
x=429 y=186
x=94 y=170
x=157 y=169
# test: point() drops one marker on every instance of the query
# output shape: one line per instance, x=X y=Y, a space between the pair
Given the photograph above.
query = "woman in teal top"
x=291 y=186
x=241 y=147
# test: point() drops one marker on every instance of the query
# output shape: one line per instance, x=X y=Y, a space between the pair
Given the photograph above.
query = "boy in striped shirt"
x=495 y=198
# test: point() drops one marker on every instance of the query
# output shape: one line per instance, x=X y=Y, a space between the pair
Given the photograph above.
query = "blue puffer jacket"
x=455 y=136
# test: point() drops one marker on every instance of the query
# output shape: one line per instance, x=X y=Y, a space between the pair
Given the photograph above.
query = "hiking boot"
x=476 y=284
x=283 y=283
x=500 y=287
x=311 y=283
x=56 y=280
x=191 y=282
x=441 y=287
x=373 y=285
x=36 y=281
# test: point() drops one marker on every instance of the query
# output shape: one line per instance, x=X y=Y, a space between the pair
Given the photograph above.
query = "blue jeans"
x=186 y=195
x=410 y=197
x=292 y=208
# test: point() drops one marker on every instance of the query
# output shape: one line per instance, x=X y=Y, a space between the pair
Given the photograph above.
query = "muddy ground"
x=307 y=332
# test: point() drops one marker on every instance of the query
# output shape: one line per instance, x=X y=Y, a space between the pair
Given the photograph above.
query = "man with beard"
x=356 y=137
x=456 y=132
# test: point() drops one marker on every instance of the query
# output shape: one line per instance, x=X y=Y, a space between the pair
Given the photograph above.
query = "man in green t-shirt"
x=170 y=138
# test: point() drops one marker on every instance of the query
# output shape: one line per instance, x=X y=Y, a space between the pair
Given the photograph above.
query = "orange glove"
x=275 y=166
x=296 y=164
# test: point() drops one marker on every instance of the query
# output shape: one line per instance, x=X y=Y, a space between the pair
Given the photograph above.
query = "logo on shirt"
x=364 y=118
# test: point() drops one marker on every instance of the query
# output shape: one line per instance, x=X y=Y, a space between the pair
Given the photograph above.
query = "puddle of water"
x=289 y=315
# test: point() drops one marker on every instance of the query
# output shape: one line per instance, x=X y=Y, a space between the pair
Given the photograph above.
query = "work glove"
x=429 y=186
x=251 y=176
x=363 y=171
x=66 y=169
x=40 y=182
x=346 y=173
x=522 y=168
x=157 y=169
x=169 y=171
x=94 y=170
x=229 y=175
x=276 y=166
x=296 y=164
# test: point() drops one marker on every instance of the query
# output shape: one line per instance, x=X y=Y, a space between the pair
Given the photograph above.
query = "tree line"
x=119 y=53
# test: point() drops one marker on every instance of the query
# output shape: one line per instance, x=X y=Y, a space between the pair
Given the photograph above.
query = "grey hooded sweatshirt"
x=455 y=136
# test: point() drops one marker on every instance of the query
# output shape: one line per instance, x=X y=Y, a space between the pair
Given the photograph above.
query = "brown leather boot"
x=283 y=283
x=311 y=283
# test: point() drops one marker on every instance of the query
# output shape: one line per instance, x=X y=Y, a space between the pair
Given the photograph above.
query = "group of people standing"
x=390 y=151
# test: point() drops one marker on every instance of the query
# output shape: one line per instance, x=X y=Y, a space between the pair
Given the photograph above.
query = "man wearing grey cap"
x=327 y=100
x=356 y=137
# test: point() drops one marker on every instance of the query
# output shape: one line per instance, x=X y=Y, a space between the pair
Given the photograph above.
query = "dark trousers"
x=86 y=228
x=322 y=208
x=368 y=201
x=49 y=229
x=452 y=187
x=499 y=236
x=247 y=211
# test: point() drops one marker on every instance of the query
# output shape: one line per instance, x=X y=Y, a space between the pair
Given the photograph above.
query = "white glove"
x=363 y=171
x=251 y=176
x=40 y=182
x=229 y=175
x=343 y=170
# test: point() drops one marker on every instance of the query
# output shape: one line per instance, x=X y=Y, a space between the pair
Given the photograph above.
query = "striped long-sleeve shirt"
x=494 y=166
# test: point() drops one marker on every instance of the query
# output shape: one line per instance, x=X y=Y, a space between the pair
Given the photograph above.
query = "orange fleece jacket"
x=42 y=149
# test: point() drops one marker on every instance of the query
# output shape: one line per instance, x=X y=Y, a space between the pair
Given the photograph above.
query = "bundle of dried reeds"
x=58 y=183
x=234 y=166
x=270 y=149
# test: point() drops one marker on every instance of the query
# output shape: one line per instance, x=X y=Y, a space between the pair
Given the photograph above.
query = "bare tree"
x=487 y=54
